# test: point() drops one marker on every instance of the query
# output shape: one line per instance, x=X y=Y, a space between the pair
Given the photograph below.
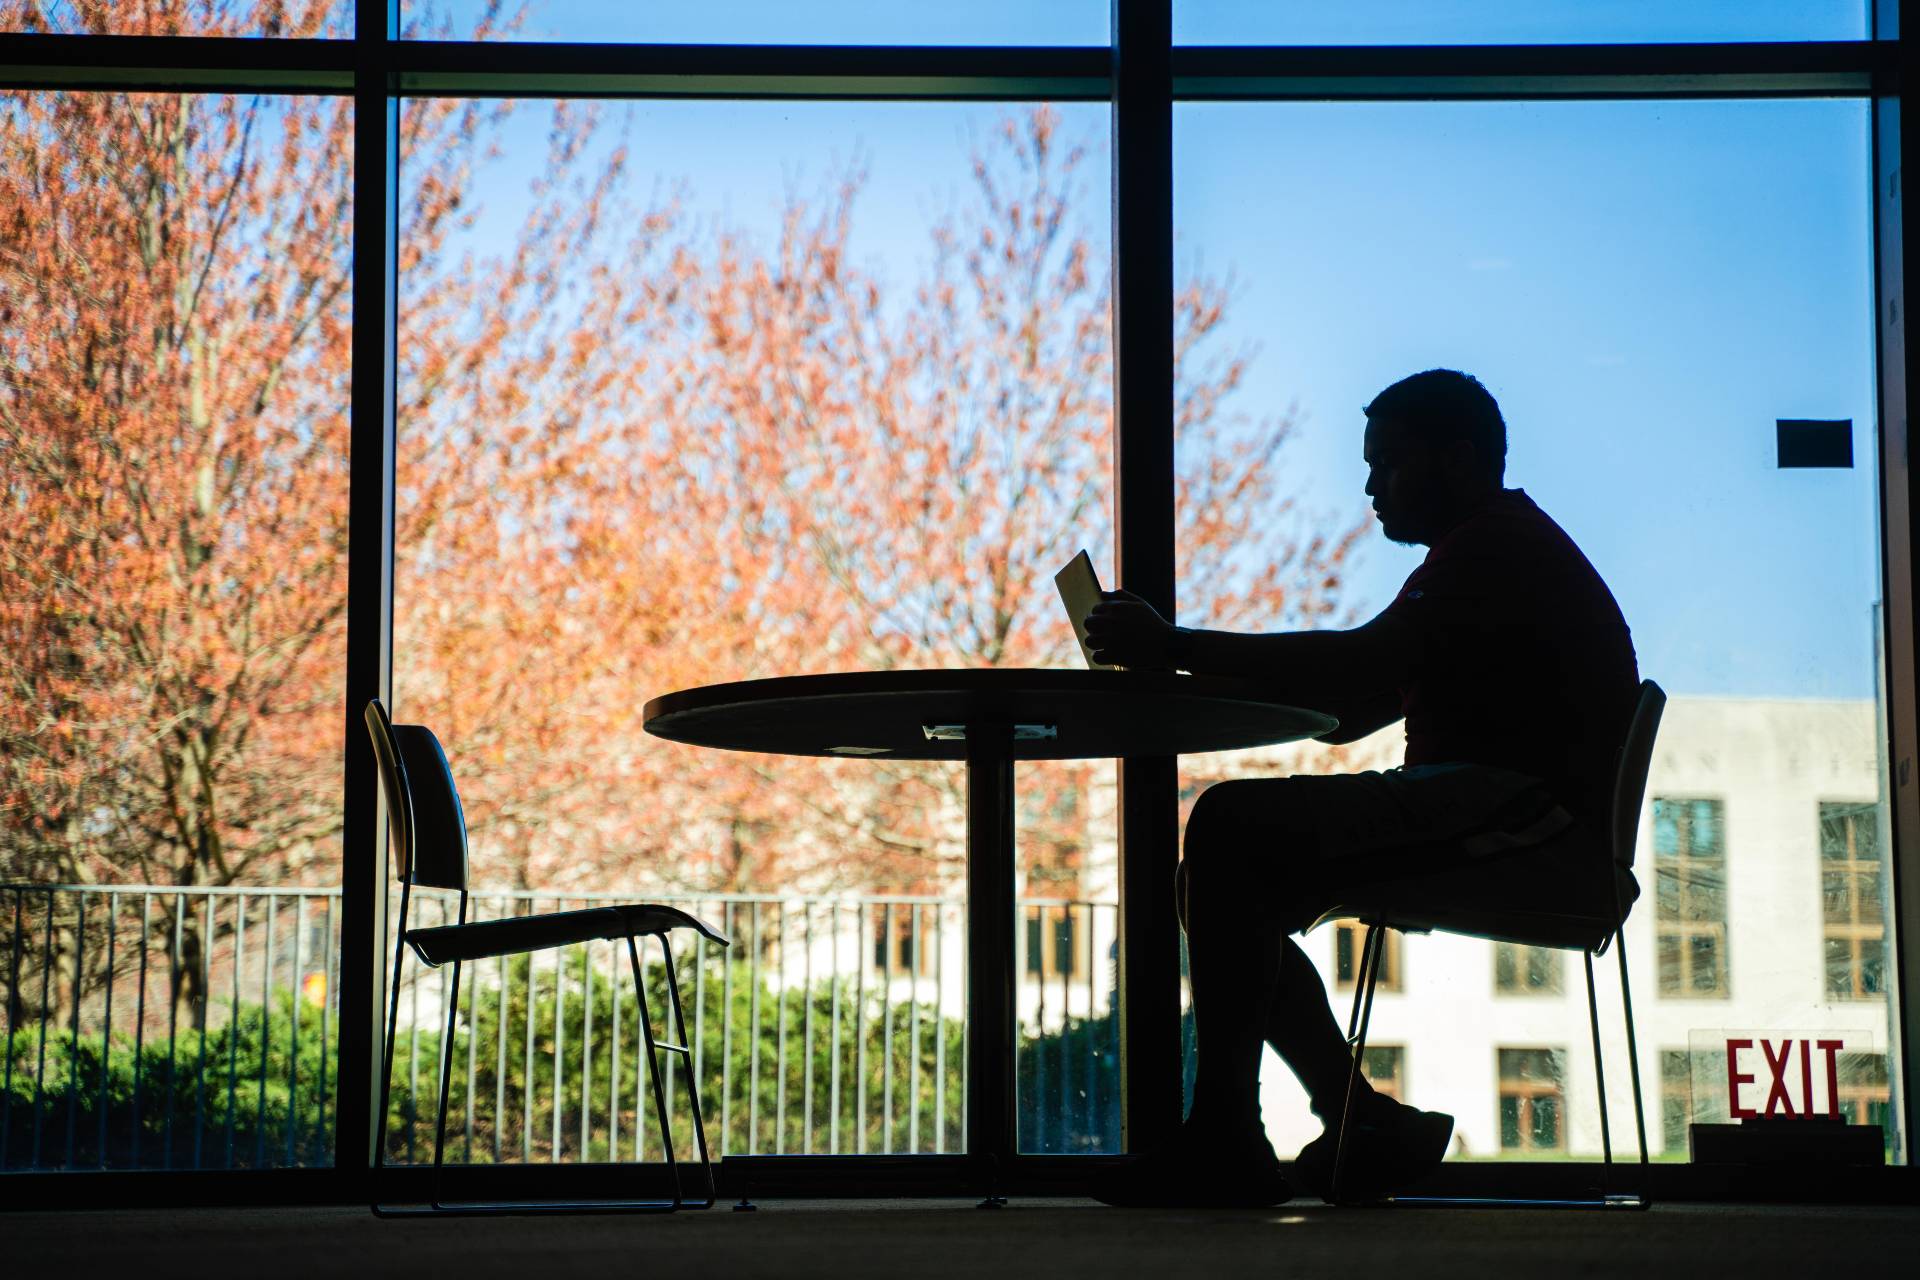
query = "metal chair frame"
x=406 y=836
x=1623 y=835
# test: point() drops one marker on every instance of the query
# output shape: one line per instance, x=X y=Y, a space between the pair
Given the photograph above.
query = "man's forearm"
x=1319 y=669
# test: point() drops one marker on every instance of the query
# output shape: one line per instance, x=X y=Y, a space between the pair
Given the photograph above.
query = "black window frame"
x=1142 y=74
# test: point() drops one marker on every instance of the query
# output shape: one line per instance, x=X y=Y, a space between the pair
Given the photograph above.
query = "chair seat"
x=1558 y=894
x=519 y=934
x=1528 y=928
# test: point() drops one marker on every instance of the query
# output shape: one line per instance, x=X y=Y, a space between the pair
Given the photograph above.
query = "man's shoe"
x=1392 y=1146
x=1203 y=1169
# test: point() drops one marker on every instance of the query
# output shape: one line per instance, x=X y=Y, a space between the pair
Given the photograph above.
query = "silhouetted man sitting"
x=1510 y=662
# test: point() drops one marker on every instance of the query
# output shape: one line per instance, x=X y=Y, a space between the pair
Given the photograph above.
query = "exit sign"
x=1787 y=1077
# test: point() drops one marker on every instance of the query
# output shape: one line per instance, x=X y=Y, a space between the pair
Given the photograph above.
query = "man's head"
x=1435 y=446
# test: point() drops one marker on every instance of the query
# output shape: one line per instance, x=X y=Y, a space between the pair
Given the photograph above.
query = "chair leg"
x=386 y=1057
x=653 y=1071
x=446 y=1082
x=1363 y=996
x=1359 y=987
x=1633 y=1067
x=1600 y=1077
x=693 y=1080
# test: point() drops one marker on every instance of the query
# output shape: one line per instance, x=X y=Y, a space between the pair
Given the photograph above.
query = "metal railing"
x=159 y=1027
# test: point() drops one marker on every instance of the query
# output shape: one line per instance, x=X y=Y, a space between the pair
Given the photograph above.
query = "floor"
x=922 y=1238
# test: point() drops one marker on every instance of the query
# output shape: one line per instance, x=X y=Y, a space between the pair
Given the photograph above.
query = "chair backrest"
x=1630 y=777
x=429 y=826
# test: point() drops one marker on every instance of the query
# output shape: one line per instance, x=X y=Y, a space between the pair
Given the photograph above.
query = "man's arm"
x=1350 y=672
x=1355 y=675
x=1360 y=718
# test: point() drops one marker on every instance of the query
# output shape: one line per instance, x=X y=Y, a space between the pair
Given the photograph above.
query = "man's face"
x=1405 y=481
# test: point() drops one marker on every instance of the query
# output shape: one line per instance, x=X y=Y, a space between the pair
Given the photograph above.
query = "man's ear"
x=1461 y=461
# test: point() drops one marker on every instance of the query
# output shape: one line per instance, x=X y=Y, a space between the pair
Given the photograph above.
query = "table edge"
x=957 y=680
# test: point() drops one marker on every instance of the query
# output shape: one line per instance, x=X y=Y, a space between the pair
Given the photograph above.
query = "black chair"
x=430 y=837
x=1589 y=933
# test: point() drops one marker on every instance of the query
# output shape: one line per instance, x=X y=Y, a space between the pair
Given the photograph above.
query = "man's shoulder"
x=1510 y=527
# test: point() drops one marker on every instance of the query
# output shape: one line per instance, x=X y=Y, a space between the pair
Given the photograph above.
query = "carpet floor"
x=1050 y=1238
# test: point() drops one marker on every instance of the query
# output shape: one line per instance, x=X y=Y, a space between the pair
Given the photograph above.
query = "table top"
x=925 y=715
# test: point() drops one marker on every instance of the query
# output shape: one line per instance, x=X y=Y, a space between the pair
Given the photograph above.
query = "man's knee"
x=1222 y=856
x=1245 y=844
x=1215 y=840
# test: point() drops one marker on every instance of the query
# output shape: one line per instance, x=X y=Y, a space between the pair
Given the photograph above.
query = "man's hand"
x=1125 y=631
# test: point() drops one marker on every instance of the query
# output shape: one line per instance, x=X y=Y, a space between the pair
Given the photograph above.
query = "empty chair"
x=430 y=841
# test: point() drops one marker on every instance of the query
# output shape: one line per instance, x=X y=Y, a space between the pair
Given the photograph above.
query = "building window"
x=911 y=941
x=1386 y=1068
x=1864 y=1095
x=1690 y=917
x=1676 y=1099
x=1533 y=1100
x=1853 y=901
x=1053 y=943
x=1527 y=971
x=1349 y=942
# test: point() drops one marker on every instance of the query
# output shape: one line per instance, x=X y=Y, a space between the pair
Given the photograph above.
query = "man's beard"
x=1396 y=532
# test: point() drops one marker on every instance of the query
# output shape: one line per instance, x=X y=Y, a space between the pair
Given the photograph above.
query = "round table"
x=989 y=718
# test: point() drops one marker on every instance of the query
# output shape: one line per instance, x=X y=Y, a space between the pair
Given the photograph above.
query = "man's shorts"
x=1419 y=837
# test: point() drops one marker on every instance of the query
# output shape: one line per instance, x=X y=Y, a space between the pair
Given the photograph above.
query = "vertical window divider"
x=1144 y=553
x=370 y=512
x=1900 y=699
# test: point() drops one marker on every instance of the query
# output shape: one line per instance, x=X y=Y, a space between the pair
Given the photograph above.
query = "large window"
x=821 y=387
x=1610 y=271
x=832 y=22
x=1359 y=22
x=174 y=299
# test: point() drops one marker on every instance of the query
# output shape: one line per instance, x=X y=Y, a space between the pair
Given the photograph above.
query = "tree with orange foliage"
x=632 y=455
x=173 y=337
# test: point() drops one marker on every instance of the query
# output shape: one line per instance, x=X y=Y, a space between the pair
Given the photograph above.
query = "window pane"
x=300 y=19
x=175 y=312
x=1704 y=961
x=1615 y=273
x=1510 y=1123
x=1873 y=966
x=1546 y=1122
x=1676 y=1099
x=844 y=22
x=1513 y=21
x=1866 y=896
x=1836 y=897
x=799 y=391
x=1522 y=970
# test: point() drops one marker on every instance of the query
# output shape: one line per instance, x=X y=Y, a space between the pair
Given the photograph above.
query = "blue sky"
x=1645 y=286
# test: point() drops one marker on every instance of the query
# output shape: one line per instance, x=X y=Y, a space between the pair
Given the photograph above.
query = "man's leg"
x=1303 y=1030
x=1251 y=982
x=1233 y=964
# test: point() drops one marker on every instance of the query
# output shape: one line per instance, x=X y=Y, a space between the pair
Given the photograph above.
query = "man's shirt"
x=1522 y=658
